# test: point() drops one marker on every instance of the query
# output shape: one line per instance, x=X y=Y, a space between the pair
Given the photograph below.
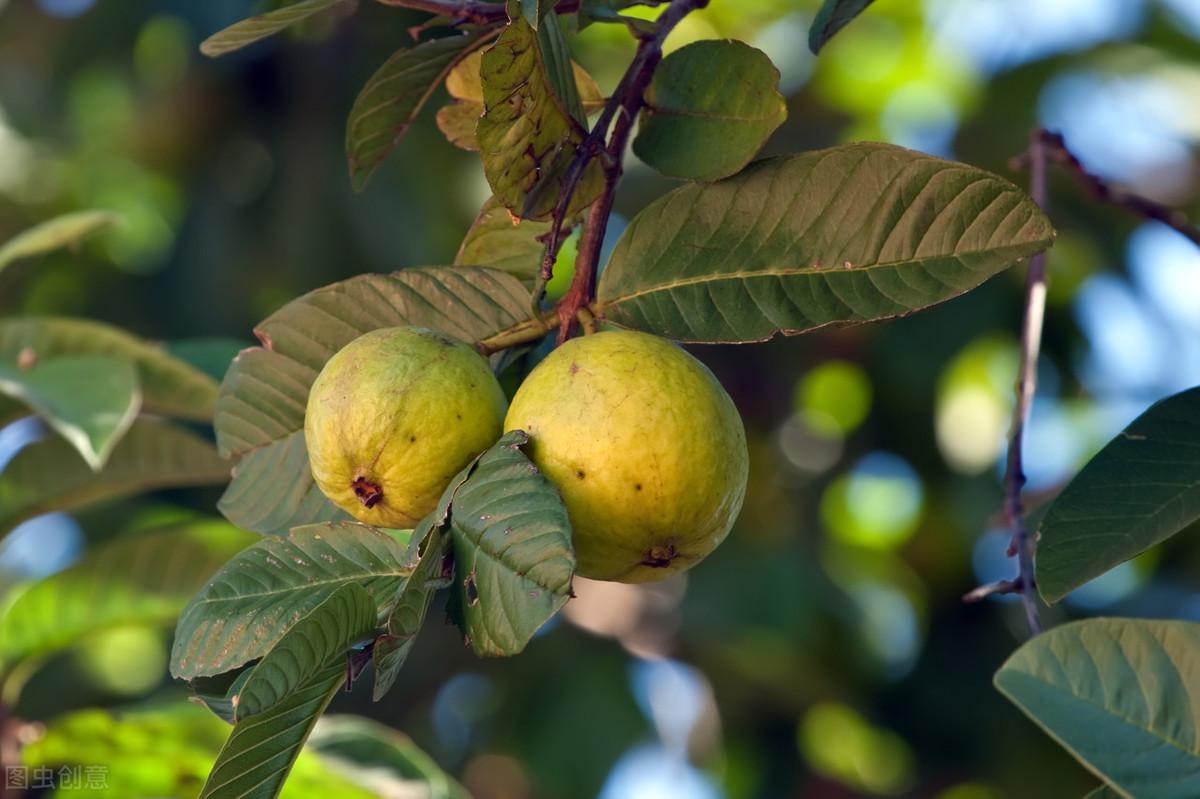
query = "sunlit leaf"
x=49 y=475
x=169 y=386
x=260 y=751
x=145 y=578
x=62 y=231
x=355 y=746
x=260 y=413
x=498 y=240
x=851 y=234
x=1121 y=695
x=512 y=549
x=321 y=637
x=833 y=16
x=1141 y=489
x=709 y=108
x=90 y=400
x=527 y=136
x=251 y=30
x=394 y=95
x=249 y=605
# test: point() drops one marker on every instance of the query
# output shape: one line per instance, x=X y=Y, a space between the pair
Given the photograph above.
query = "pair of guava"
x=642 y=442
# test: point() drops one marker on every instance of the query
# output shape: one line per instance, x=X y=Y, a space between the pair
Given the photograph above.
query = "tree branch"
x=1022 y=544
x=1058 y=153
x=619 y=112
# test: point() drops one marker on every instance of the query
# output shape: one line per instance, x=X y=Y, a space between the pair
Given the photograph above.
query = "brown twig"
x=620 y=112
x=1057 y=152
x=1022 y=544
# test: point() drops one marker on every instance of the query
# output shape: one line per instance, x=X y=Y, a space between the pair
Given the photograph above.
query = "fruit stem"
x=586 y=321
x=525 y=332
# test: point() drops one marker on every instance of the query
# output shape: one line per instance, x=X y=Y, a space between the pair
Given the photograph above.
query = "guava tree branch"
x=1057 y=152
x=618 y=113
x=1022 y=544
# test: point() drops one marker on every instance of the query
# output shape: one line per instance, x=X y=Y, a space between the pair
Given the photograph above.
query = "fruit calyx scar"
x=368 y=493
x=660 y=557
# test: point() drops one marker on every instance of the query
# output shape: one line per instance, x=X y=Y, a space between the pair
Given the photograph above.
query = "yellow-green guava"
x=645 y=446
x=393 y=416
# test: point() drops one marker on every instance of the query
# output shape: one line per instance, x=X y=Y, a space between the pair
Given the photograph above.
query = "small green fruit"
x=393 y=417
x=645 y=446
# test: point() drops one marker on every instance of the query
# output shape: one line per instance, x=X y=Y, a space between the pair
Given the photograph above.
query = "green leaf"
x=251 y=30
x=1121 y=695
x=62 y=231
x=1103 y=792
x=395 y=94
x=851 y=234
x=1141 y=489
x=559 y=67
x=321 y=637
x=49 y=475
x=169 y=386
x=512 y=549
x=261 y=407
x=499 y=240
x=249 y=605
x=146 y=578
x=219 y=693
x=260 y=751
x=527 y=136
x=534 y=10
x=457 y=119
x=90 y=400
x=709 y=108
x=433 y=571
x=833 y=16
x=273 y=491
x=354 y=745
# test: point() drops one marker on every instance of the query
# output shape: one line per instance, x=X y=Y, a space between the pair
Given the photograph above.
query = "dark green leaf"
x=219 y=693
x=146 y=578
x=62 y=231
x=1141 y=489
x=355 y=745
x=851 y=234
x=322 y=636
x=393 y=97
x=512 y=549
x=169 y=386
x=1104 y=792
x=260 y=751
x=251 y=30
x=534 y=10
x=710 y=107
x=527 y=136
x=261 y=407
x=49 y=475
x=559 y=67
x=255 y=599
x=1121 y=696
x=833 y=16
x=90 y=400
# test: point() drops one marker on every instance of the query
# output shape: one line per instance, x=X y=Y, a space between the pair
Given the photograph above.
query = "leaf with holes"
x=833 y=16
x=527 y=136
x=395 y=94
x=1138 y=491
x=708 y=110
x=512 y=549
x=49 y=475
x=254 y=29
x=62 y=231
x=146 y=578
x=260 y=412
x=847 y=235
x=1121 y=695
x=261 y=750
x=457 y=120
x=168 y=385
x=321 y=637
x=249 y=605
x=90 y=400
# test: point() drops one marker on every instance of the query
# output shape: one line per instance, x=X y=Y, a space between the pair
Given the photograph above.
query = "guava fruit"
x=645 y=446
x=393 y=416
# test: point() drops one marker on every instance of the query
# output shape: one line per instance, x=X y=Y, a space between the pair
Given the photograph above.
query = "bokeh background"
x=823 y=651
